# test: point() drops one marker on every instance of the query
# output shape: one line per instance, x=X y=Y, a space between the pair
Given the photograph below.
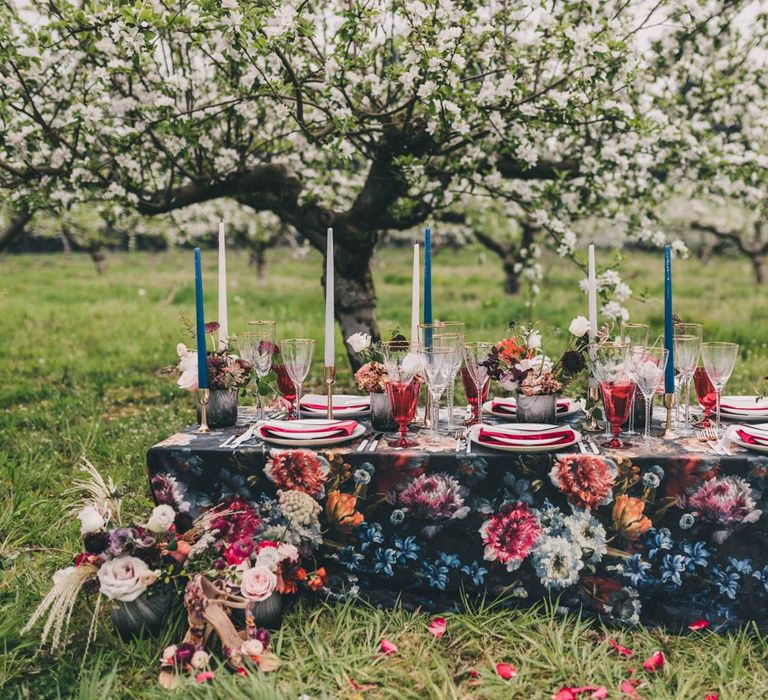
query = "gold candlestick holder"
x=206 y=397
x=590 y=424
x=329 y=379
x=669 y=403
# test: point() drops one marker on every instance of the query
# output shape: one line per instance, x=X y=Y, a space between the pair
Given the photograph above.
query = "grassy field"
x=81 y=376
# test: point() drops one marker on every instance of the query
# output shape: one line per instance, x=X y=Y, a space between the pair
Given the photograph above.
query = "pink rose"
x=258 y=583
x=125 y=578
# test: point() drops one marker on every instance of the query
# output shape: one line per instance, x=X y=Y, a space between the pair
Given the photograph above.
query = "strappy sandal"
x=237 y=647
x=184 y=657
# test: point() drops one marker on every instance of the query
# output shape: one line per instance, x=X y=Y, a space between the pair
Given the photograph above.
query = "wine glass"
x=609 y=367
x=258 y=347
x=647 y=366
x=401 y=361
x=476 y=356
x=297 y=358
x=436 y=364
x=719 y=361
x=687 y=342
x=453 y=342
x=631 y=334
x=705 y=393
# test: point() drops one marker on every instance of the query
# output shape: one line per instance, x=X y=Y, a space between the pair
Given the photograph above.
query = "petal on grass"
x=362 y=687
x=624 y=651
x=698 y=625
x=654 y=662
x=204 y=676
x=437 y=627
x=599 y=692
x=387 y=647
x=506 y=671
x=627 y=688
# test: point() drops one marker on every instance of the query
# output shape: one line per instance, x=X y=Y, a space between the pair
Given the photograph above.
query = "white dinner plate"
x=313 y=442
x=339 y=406
x=529 y=447
x=575 y=407
x=757 y=448
x=740 y=413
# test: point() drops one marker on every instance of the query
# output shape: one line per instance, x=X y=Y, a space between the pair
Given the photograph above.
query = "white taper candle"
x=223 y=319
x=592 y=294
x=415 y=289
x=329 y=302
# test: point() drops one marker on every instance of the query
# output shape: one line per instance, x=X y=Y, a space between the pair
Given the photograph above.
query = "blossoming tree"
x=364 y=116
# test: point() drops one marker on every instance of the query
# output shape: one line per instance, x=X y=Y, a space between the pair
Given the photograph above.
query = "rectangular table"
x=436 y=522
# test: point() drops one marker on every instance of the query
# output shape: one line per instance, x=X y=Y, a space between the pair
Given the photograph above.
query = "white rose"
x=269 y=557
x=288 y=552
x=534 y=340
x=125 y=578
x=258 y=583
x=251 y=647
x=199 y=659
x=188 y=368
x=91 y=519
x=359 y=341
x=579 y=326
x=161 y=519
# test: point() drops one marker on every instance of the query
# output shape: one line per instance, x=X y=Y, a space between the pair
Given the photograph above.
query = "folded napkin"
x=739 y=409
x=510 y=406
x=555 y=437
x=752 y=439
x=308 y=430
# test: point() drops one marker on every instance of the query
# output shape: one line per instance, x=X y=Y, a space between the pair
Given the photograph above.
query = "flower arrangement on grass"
x=522 y=366
x=225 y=369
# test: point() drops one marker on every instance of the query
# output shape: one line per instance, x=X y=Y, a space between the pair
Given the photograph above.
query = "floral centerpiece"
x=521 y=366
x=227 y=374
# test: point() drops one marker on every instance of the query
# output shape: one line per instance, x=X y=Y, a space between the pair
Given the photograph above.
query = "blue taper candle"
x=427 y=282
x=669 y=328
x=202 y=352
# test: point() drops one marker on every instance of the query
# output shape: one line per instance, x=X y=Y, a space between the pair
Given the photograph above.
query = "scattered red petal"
x=361 y=687
x=698 y=625
x=712 y=696
x=204 y=676
x=387 y=647
x=437 y=627
x=628 y=689
x=600 y=694
x=624 y=651
x=631 y=671
x=473 y=673
x=241 y=671
x=506 y=671
x=654 y=662
x=566 y=693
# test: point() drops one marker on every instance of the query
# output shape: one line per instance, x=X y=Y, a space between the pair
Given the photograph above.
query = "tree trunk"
x=99 y=258
x=14 y=229
x=758 y=266
x=511 y=276
x=355 y=294
x=258 y=259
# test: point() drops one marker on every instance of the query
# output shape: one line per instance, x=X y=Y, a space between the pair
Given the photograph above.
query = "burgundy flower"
x=263 y=635
x=163 y=490
x=96 y=542
x=211 y=326
x=185 y=652
x=510 y=535
x=726 y=501
x=238 y=551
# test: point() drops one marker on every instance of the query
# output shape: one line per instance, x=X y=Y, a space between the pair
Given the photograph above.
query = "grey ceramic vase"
x=536 y=409
x=381 y=413
x=143 y=616
x=222 y=408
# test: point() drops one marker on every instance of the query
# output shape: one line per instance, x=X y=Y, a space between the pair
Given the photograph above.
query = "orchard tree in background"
x=361 y=115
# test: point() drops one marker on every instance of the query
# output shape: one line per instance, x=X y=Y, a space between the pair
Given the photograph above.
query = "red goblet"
x=617 y=400
x=470 y=391
x=705 y=392
x=286 y=386
x=403 y=399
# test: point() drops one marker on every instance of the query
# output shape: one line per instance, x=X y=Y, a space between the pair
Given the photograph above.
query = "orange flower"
x=509 y=350
x=340 y=509
x=301 y=573
x=628 y=518
x=318 y=580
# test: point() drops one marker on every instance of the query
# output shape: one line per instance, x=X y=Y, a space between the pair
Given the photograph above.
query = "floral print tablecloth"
x=674 y=538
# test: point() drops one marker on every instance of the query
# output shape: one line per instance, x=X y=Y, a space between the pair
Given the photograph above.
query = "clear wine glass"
x=630 y=335
x=402 y=363
x=687 y=343
x=258 y=347
x=436 y=364
x=297 y=358
x=719 y=360
x=454 y=342
x=476 y=357
x=647 y=366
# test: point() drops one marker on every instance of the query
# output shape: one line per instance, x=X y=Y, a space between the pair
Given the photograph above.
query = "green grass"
x=81 y=376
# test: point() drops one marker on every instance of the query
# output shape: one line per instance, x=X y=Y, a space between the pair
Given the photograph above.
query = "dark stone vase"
x=143 y=616
x=222 y=408
x=536 y=409
x=381 y=413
